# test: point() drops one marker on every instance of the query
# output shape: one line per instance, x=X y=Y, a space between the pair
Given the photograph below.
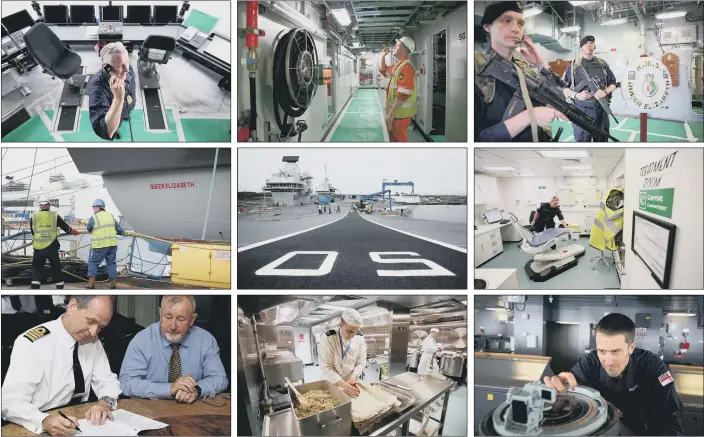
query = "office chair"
x=55 y=58
x=156 y=49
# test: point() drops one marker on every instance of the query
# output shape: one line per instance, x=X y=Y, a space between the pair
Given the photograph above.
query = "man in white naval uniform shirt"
x=343 y=353
x=56 y=364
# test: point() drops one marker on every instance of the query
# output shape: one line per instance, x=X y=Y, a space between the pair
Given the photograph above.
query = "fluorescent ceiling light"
x=570 y=29
x=564 y=153
x=615 y=21
x=342 y=16
x=681 y=314
x=531 y=12
x=582 y=3
x=496 y=309
x=566 y=323
x=670 y=14
x=500 y=168
x=582 y=174
x=576 y=167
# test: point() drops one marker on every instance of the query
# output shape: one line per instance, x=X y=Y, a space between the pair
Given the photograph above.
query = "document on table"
x=189 y=33
x=125 y=423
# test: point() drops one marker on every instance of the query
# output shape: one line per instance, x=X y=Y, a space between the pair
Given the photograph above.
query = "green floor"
x=194 y=130
x=362 y=121
x=628 y=129
x=580 y=276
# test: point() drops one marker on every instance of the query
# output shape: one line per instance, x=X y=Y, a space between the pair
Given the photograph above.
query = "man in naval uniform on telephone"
x=343 y=353
x=56 y=364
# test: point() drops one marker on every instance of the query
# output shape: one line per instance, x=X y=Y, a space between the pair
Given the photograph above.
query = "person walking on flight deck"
x=401 y=91
x=104 y=231
x=343 y=353
x=43 y=224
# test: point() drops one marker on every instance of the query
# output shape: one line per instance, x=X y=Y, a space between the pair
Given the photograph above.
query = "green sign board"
x=657 y=201
x=541 y=187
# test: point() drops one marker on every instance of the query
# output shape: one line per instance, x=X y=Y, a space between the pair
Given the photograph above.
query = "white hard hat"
x=408 y=42
x=44 y=201
x=352 y=317
x=434 y=330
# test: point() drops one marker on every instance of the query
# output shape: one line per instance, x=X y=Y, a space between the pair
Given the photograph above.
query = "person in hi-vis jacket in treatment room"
x=343 y=353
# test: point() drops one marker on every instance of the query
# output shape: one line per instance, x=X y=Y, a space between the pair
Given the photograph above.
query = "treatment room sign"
x=654 y=197
x=648 y=84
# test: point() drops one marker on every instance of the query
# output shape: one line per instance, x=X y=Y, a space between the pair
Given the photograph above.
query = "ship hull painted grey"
x=164 y=192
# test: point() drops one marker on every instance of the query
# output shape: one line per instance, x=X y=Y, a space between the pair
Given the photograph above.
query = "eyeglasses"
x=216 y=402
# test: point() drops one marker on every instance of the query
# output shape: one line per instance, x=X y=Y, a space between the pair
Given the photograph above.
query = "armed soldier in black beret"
x=498 y=114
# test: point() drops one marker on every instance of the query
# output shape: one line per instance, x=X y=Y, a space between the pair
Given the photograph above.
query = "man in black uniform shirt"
x=111 y=92
x=545 y=217
x=496 y=118
x=583 y=99
x=636 y=381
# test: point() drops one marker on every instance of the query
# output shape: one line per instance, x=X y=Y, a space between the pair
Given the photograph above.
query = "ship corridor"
x=333 y=89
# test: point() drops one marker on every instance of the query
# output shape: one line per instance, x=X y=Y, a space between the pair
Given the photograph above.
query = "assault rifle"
x=594 y=85
x=545 y=87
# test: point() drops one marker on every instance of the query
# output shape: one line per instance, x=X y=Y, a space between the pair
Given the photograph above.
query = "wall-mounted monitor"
x=111 y=13
x=56 y=14
x=139 y=14
x=81 y=14
x=165 y=14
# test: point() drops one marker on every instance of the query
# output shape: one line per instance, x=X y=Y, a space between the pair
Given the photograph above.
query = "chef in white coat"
x=343 y=353
x=430 y=346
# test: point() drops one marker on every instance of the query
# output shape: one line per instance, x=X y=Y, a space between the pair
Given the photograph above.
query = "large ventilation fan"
x=295 y=79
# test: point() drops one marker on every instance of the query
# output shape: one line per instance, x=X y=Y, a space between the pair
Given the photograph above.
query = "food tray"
x=405 y=397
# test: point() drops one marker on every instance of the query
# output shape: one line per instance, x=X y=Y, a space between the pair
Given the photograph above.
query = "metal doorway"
x=438 y=97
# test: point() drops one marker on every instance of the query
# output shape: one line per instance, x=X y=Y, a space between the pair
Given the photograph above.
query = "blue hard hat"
x=99 y=202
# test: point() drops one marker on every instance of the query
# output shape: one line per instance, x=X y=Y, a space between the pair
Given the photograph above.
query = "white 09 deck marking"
x=435 y=269
x=325 y=268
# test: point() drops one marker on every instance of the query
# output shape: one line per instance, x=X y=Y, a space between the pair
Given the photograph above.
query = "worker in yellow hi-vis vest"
x=45 y=245
x=104 y=230
x=401 y=91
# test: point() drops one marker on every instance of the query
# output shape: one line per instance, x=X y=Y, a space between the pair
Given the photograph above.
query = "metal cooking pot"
x=452 y=365
x=413 y=359
x=336 y=421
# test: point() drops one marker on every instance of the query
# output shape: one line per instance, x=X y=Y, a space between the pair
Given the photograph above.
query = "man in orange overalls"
x=400 y=93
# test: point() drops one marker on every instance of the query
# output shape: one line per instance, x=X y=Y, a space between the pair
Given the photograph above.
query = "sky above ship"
x=20 y=158
x=362 y=170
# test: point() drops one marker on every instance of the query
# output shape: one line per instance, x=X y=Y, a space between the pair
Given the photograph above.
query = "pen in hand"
x=64 y=416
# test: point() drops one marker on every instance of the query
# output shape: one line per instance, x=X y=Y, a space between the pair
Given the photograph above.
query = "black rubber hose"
x=252 y=106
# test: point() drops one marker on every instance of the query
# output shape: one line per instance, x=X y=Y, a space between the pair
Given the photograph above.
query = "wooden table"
x=198 y=418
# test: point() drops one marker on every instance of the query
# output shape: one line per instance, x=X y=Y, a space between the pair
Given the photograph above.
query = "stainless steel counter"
x=425 y=391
